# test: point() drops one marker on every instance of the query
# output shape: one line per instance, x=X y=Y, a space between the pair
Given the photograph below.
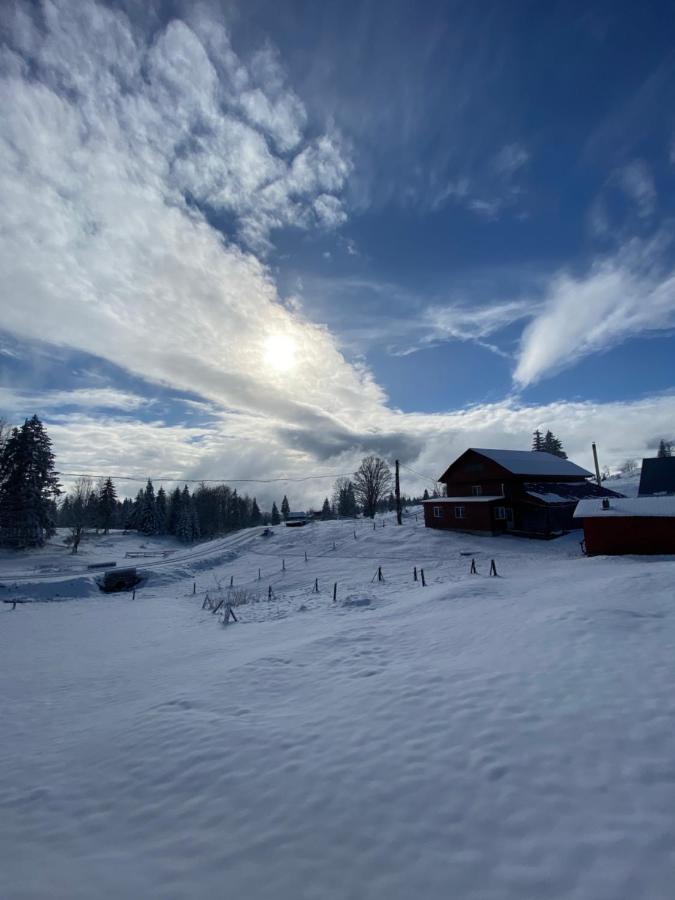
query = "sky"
x=261 y=240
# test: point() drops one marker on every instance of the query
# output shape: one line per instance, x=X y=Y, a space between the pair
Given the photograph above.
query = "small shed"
x=628 y=525
x=657 y=478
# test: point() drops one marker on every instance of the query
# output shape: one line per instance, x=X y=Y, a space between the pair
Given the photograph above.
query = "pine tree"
x=255 y=513
x=107 y=505
x=537 y=440
x=174 y=511
x=325 y=509
x=162 y=511
x=425 y=495
x=28 y=486
x=285 y=508
x=148 y=522
x=665 y=449
x=553 y=445
x=276 y=518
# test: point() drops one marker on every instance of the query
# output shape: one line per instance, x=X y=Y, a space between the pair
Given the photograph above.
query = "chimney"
x=597 y=467
x=605 y=502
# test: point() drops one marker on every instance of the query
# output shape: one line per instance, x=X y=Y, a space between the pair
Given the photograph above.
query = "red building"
x=524 y=492
x=628 y=525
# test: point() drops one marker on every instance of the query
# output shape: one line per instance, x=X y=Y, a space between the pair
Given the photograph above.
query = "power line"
x=419 y=474
x=205 y=480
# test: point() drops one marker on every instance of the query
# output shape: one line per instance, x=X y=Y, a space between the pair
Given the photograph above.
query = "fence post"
x=380 y=577
x=305 y=556
x=373 y=526
x=333 y=545
x=258 y=574
x=283 y=565
x=133 y=596
x=415 y=574
x=316 y=585
x=424 y=584
x=269 y=592
x=194 y=587
x=355 y=534
x=231 y=580
x=335 y=592
x=473 y=570
x=493 y=568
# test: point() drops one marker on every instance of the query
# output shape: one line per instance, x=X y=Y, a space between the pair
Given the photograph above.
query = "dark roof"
x=555 y=492
x=657 y=477
x=529 y=462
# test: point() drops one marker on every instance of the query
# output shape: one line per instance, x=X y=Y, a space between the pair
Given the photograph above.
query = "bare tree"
x=372 y=482
x=78 y=499
x=629 y=467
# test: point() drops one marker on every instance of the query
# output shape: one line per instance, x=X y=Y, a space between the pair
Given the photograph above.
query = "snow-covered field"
x=480 y=737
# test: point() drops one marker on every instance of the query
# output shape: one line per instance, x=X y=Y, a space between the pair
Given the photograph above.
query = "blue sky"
x=263 y=238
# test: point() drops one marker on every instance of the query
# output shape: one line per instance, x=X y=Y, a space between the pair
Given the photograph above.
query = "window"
x=438 y=512
x=500 y=512
x=460 y=512
x=476 y=490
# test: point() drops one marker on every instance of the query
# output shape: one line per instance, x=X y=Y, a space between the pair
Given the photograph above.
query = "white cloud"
x=625 y=295
x=637 y=183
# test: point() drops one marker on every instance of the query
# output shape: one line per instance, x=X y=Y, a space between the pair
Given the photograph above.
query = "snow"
x=531 y=462
x=471 y=499
x=481 y=738
x=651 y=507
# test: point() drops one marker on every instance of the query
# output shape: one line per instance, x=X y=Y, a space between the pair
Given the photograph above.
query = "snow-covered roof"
x=471 y=499
x=533 y=462
x=648 y=507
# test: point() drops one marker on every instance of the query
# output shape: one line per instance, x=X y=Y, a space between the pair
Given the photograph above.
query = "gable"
x=657 y=476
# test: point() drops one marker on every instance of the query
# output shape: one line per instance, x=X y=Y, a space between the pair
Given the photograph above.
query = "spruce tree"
x=28 y=486
x=325 y=510
x=255 y=513
x=174 y=511
x=425 y=495
x=162 y=511
x=107 y=505
x=276 y=518
x=285 y=508
x=553 y=445
x=148 y=522
x=537 y=441
x=665 y=449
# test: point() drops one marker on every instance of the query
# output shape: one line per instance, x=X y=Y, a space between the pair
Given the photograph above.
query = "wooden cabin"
x=525 y=492
x=628 y=525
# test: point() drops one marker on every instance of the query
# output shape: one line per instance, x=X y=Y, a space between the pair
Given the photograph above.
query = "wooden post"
x=383 y=523
x=333 y=545
x=493 y=568
x=373 y=525
x=231 y=580
x=133 y=596
x=283 y=565
x=355 y=534
x=335 y=592
x=258 y=574
x=316 y=585
x=305 y=556
x=424 y=584
x=415 y=574
x=473 y=570
x=399 y=520
x=380 y=577
x=269 y=592
x=194 y=587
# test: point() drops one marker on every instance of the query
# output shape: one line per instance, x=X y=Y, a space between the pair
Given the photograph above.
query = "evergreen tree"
x=425 y=495
x=148 y=522
x=553 y=445
x=537 y=440
x=276 y=518
x=391 y=502
x=174 y=511
x=665 y=449
x=255 y=513
x=161 y=508
x=325 y=510
x=107 y=505
x=187 y=529
x=285 y=508
x=28 y=486
x=91 y=513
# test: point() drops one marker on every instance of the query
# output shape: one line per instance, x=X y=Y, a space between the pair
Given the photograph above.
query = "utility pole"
x=399 y=521
x=597 y=466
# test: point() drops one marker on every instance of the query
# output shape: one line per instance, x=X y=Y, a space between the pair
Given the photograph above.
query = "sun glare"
x=280 y=352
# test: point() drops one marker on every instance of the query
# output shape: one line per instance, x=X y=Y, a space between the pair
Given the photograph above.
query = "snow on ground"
x=479 y=738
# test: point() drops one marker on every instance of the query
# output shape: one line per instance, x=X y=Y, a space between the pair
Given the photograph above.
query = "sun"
x=279 y=352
